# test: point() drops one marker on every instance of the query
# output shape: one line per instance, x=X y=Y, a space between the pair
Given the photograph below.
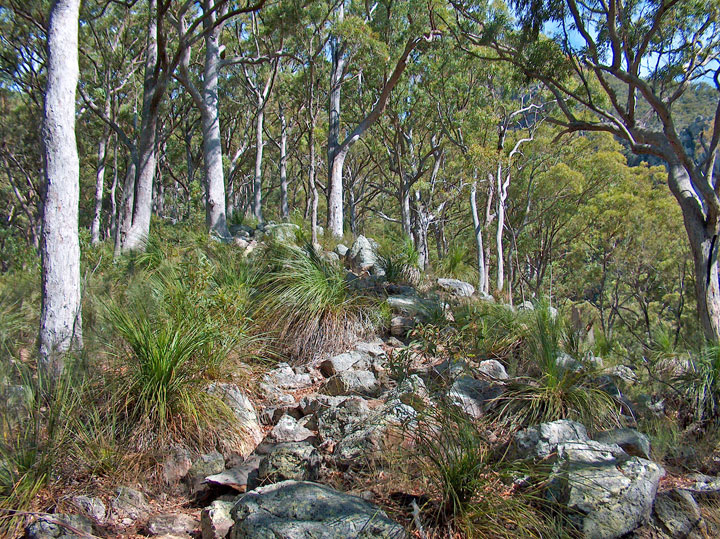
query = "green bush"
x=399 y=261
x=701 y=384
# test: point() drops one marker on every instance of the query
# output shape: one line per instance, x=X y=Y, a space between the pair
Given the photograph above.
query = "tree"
x=609 y=60
x=60 y=316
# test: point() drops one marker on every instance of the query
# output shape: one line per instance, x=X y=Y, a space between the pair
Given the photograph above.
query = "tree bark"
x=99 y=188
x=478 y=238
x=284 y=208
x=259 y=145
x=60 y=315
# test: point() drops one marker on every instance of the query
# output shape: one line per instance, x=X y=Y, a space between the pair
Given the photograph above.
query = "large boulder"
x=677 y=514
x=456 y=287
x=633 y=442
x=362 y=256
x=542 y=440
x=243 y=410
x=607 y=494
x=352 y=382
x=303 y=510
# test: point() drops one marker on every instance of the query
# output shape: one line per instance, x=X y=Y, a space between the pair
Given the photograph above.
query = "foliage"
x=307 y=302
x=701 y=384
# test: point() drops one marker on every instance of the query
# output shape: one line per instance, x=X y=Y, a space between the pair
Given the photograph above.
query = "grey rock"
x=341 y=250
x=606 y=496
x=91 y=506
x=633 y=442
x=677 y=512
x=298 y=461
x=172 y=524
x=456 y=287
x=176 y=465
x=241 y=477
x=487 y=298
x=215 y=520
x=208 y=464
x=304 y=510
x=373 y=349
x=288 y=430
x=362 y=256
x=542 y=440
x=336 y=422
x=406 y=305
x=344 y=362
x=400 y=326
x=413 y=392
x=492 y=368
x=352 y=382
x=317 y=403
x=622 y=373
x=449 y=370
x=284 y=377
x=242 y=409
x=705 y=484
x=60 y=526
x=130 y=502
x=473 y=396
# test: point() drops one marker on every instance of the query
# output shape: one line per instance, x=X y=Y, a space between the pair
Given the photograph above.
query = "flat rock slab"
x=304 y=510
x=239 y=477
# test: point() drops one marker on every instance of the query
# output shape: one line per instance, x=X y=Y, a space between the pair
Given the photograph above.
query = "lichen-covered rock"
x=352 y=382
x=303 y=510
x=243 y=409
x=472 y=396
x=633 y=442
x=343 y=362
x=336 y=422
x=93 y=507
x=607 y=494
x=677 y=514
x=457 y=287
x=542 y=440
x=298 y=461
x=493 y=369
x=59 y=526
x=400 y=326
x=129 y=502
x=282 y=232
x=284 y=377
x=289 y=430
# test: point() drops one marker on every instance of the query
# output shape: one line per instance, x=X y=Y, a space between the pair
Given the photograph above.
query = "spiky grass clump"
x=399 y=261
x=701 y=384
x=474 y=491
x=162 y=378
x=555 y=391
x=306 y=301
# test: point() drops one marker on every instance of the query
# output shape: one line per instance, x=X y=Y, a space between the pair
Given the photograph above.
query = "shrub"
x=399 y=261
x=306 y=301
x=701 y=384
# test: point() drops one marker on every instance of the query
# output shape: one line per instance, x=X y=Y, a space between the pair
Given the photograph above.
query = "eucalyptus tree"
x=60 y=314
x=377 y=31
x=605 y=63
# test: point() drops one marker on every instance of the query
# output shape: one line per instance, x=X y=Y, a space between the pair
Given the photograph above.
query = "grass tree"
x=60 y=318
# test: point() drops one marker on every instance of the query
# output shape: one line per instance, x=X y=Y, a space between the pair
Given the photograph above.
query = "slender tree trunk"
x=502 y=187
x=99 y=187
x=284 y=208
x=351 y=212
x=123 y=229
x=405 y=206
x=313 y=186
x=113 y=191
x=60 y=315
x=259 y=144
x=215 y=216
x=335 y=195
x=153 y=87
x=336 y=157
x=477 y=226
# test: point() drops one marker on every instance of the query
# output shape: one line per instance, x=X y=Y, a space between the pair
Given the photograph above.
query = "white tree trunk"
x=99 y=188
x=259 y=144
x=284 y=208
x=60 y=315
x=478 y=238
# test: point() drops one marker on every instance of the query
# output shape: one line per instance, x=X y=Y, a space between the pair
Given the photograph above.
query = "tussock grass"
x=306 y=302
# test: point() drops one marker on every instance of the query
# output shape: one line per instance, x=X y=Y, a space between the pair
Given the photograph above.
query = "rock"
x=458 y=288
x=331 y=256
x=336 y=422
x=568 y=363
x=317 y=403
x=298 y=461
x=93 y=508
x=493 y=369
x=304 y=510
x=473 y=396
x=130 y=502
x=282 y=232
x=242 y=409
x=172 y=524
x=487 y=298
x=352 y=382
x=542 y=440
x=412 y=392
x=242 y=477
x=633 y=442
x=449 y=370
x=623 y=374
x=406 y=305
x=607 y=494
x=176 y=465
x=205 y=465
x=284 y=377
x=677 y=513
x=344 y=362
x=288 y=430
x=705 y=485
x=400 y=326
x=341 y=250
x=215 y=520
x=362 y=256
x=60 y=526
x=372 y=349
